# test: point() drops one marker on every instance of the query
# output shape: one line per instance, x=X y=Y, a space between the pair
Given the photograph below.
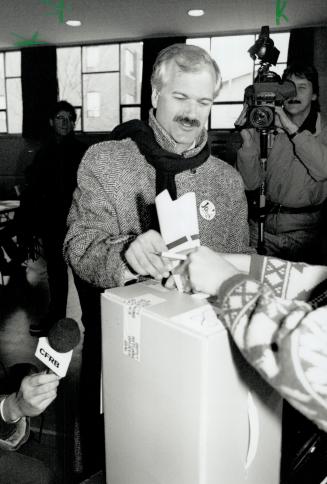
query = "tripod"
x=262 y=190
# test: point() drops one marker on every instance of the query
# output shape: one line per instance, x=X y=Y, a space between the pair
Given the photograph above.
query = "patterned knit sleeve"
x=285 y=340
x=289 y=280
x=94 y=243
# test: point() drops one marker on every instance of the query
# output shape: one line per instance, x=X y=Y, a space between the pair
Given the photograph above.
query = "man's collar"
x=168 y=143
x=310 y=122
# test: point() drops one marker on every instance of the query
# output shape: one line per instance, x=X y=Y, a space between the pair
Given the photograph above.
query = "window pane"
x=13 y=64
x=15 y=105
x=131 y=72
x=201 y=42
x=131 y=113
x=3 y=124
x=69 y=74
x=100 y=101
x=235 y=75
x=101 y=58
x=281 y=41
x=2 y=83
x=223 y=116
x=78 y=124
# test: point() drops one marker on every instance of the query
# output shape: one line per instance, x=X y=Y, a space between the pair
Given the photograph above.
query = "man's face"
x=301 y=103
x=62 y=123
x=183 y=104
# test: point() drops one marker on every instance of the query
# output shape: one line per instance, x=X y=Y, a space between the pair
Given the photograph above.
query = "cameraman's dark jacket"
x=296 y=179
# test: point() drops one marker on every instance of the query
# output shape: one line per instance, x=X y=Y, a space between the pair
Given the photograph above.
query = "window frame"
x=6 y=78
x=119 y=72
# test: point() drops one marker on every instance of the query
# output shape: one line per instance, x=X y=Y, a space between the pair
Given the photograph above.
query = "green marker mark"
x=280 y=7
x=24 y=42
x=59 y=8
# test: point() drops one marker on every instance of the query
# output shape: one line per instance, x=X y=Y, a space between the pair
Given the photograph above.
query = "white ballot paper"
x=178 y=220
x=179 y=226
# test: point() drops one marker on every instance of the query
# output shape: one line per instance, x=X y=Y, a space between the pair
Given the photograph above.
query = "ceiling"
x=30 y=22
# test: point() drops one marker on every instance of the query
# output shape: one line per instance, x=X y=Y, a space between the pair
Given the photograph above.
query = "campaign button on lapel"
x=207 y=210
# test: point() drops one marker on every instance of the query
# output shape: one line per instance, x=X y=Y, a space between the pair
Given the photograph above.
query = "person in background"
x=35 y=394
x=113 y=236
x=50 y=182
x=296 y=176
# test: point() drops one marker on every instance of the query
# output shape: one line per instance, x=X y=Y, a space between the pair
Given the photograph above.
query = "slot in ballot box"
x=181 y=405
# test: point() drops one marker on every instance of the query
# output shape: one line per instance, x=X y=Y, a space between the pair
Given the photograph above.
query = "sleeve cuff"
x=230 y=283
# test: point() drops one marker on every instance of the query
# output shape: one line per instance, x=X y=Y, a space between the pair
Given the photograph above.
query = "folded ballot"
x=178 y=220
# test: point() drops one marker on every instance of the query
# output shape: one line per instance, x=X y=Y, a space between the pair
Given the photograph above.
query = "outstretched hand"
x=204 y=271
x=208 y=270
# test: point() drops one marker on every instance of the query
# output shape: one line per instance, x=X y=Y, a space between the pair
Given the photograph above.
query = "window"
x=103 y=82
x=11 y=105
x=236 y=76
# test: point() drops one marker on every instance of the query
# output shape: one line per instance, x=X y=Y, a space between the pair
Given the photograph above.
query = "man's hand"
x=36 y=393
x=248 y=137
x=248 y=134
x=283 y=121
x=143 y=255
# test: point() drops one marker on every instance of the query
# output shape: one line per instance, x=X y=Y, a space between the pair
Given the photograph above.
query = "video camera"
x=268 y=89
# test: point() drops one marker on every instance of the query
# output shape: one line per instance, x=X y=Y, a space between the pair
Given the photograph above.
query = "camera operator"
x=296 y=172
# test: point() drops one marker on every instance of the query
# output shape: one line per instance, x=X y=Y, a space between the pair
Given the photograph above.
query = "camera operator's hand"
x=248 y=137
x=284 y=121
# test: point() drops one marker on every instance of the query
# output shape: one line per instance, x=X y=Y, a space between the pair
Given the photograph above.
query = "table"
x=8 y=208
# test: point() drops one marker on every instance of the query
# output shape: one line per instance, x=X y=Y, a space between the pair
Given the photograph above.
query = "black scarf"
x=166 y=164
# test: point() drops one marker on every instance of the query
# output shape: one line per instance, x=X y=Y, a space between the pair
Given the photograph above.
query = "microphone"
x=56 y=350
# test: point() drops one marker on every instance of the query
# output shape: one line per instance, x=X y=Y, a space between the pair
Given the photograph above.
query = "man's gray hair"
x=189 y=58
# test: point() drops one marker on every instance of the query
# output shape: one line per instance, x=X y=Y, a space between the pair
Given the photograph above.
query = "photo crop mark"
x=58 y=8
x=24 y=42
x=280 y=11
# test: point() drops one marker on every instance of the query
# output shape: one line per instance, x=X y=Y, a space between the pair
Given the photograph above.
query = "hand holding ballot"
x=157 y=254
x=144 y=255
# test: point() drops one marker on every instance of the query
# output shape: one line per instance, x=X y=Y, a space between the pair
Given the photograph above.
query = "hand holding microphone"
x=35 y=394
x=38 y=390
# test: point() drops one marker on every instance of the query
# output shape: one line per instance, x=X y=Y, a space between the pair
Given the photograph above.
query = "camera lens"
x=261 y=117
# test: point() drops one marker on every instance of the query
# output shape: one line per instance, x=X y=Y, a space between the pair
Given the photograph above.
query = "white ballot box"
x=181 y=405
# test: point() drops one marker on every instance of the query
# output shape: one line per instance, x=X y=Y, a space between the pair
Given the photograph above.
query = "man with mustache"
x=296 y=176
x=113 y=235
